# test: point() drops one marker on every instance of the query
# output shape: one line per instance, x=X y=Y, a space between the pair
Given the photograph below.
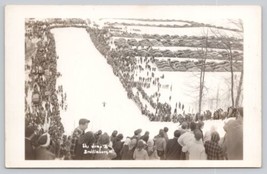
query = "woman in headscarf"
x=151 y=150
x=140 y=153
x=130 y=152
x=212 y=148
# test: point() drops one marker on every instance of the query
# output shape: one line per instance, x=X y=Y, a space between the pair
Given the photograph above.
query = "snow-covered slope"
x=89 y=81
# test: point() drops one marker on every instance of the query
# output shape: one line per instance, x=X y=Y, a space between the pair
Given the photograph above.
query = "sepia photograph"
x=145 y=86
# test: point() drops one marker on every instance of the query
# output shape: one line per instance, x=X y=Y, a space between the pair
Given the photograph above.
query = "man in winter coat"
x=233 y=140
x=173 y=148
x=166 y=133
x=83 y=125
x=137 y=134
x=117 y=146
x=113 y=136
x=200 y=126
x=160 y=144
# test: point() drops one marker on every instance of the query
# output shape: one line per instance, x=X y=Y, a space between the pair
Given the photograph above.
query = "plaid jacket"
x=213 y=151
x=74 y=140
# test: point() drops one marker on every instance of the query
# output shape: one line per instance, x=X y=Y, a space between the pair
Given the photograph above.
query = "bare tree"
x=203 y=53
x=239 y=24
x=226 y=41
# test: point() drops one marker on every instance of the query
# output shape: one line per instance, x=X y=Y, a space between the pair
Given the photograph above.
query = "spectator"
x=137 y=134
x=233 y=140
x=140 y=153
x=132 y=147
x=97 y=135
x=117 y=146
x=106 y=152
x=160 y=144
x=196 y=148
x=207 y=136
x=36 y=98
x=83 y=125
x=187 y=138
x=84 y=145
x=200 y=126
x=166 y=133
x=125 y=150
x=113 y=136
x=184 y=127
x=145 y=137
x=29 y=149
x=151 y=150
x=173 y=148
x=212 y=148
x=42 y=152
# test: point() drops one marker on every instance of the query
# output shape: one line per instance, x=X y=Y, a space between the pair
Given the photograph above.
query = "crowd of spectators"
x=43 y=97
x=189 y=142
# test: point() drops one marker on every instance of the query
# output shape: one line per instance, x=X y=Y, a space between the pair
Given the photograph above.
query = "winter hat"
x=198 y=134
x=140 y=144
x=132 y=144
x=83 y=121
x=104 y=139
x=137 y=132
x=119 y=137
x=215 y=137
x=146 y=133
x=177 y=133
x=161 y=133
x=99 y=132
x=114 y=133
x=184 y=125
x=193 y=126
x=88 y=138
x=166 y=129
x=44 y=140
